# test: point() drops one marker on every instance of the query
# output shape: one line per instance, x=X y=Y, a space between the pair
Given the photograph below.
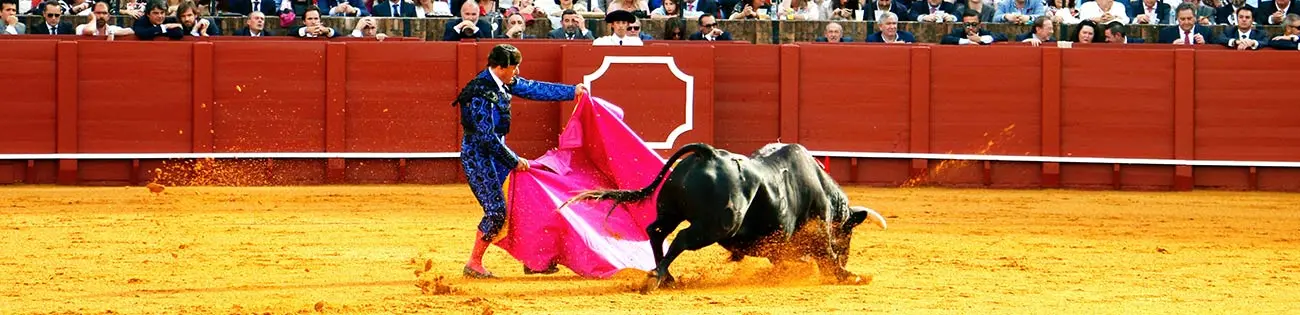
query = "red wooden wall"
x=299 y=96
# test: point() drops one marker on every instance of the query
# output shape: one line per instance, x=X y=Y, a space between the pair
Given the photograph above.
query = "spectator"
x=571 y=27
x=1041 y=33
x=842 y=10
x=620 y=23
x=674 y=29
x=1290 y=38
x=9 y=19
x=1019 y=11
x=1063 y=12
x=557 y=16
x=516 y=28
x=1244 y=36
x=1149 y=12
x=54 y=24
x=432 y=8
x=312 y=27
x=877 y=8
x=834 y=34
x=935 y=11
x=693 y=9
x=1103 y=11
x=246 y=7
x=752 y=10
x=256 y=26
x=1274 y=12
x=889 y=32
x=634 y=29
x=192 y=24
x=1204 y=14
x=631 y=6
x=529 y=11
x=469 y=25
x=709 y=30
x=393 y=8
x=344 y=7
x=986 y=11
x=367 y=27
x=802 y=10
x=1228 y=14
x=291 y=9
x=78 y=8
x=670 y=9
x=1186 y=32
x=1117 y=33
x=1086 y=32
x=134 y=8
x=971 y=33
x=157 y=23
x=98 y=23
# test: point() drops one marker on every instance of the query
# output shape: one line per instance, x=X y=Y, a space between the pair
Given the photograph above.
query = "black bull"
x=778 y=204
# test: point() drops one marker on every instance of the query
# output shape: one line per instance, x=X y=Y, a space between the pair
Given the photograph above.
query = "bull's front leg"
x=828 y=262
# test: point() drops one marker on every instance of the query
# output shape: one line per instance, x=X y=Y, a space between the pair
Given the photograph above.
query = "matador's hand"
x=522 y=166
x=579 y=90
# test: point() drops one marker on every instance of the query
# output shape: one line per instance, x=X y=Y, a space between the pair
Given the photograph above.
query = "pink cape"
x=596 y=151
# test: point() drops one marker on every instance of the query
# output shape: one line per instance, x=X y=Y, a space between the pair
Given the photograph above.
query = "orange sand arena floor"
x=350 y=249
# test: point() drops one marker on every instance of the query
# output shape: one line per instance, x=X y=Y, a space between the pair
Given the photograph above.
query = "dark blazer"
x=247 y=32
x=294 y=32
x=844 y=39
x=1170 y=34
x=1222 y=14
x=245 y=7
x=327 y=5
x=385 y=8
x=1023 y=37
x=879 y=37
x=1230 y=35
x=1135 y=40
x=213 y=29
x=899 y=9
x=954 y=38
x=1284 y=44
x=726 y=36
x=1162 y=11
x=449 y=32
x=144 y=30
x=559 y=34
x=64 y=28
x=920 y=8
x=1266 y=8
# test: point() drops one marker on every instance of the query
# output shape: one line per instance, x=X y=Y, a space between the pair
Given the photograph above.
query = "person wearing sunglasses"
x=54 y=24
x=1290 y=38
x=620 y=23
x=972 y=33
x=9 y=24
x=709 y=30
x=635 y=30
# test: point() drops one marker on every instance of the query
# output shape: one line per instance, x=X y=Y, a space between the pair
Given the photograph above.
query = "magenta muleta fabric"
x=596 y=151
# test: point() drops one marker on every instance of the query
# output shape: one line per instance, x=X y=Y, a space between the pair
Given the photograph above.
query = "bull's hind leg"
x=658 y=232
x=691 y=238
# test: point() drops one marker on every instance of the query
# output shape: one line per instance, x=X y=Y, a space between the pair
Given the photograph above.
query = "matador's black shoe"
x=470 y=273
x=551 y=270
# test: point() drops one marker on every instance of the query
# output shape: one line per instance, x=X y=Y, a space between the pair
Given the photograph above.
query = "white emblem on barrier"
x=677 y=72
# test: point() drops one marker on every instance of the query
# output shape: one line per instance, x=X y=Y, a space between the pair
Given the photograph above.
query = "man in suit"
x=709 y=30
x=54 y=24
x=1290 y=38
x=1227 y=14
x=395 y=8
x=192 y=24
x=9 y=24
x=348 y=7
x=515 y=28
x=1117 y=33
x=1274 y=12
x=834 y=34
x=469 y=25
x=256 y=26
x=1244 y=36
x=1018 y=11
x=1187 y=32
x=1041 y=33
x=245 y=7
x=570 y=27
x=312 y=27
x=877 y=8
x=972 y=33
x=889 y=32
x=935 y=11
x=157 y=23
x=1152 y=12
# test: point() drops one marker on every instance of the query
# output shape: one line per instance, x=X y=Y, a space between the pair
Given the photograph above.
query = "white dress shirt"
x=110 y=29
x=1090 y=11
x=614 y=40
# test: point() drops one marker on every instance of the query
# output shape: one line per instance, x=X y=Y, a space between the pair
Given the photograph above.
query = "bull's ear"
x=859 y=214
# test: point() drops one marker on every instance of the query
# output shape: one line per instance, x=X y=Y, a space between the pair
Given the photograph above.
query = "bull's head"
x=844 y=233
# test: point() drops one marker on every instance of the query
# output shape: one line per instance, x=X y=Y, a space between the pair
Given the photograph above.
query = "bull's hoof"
x=852 y=279
x=650 y=285
x=736 y=257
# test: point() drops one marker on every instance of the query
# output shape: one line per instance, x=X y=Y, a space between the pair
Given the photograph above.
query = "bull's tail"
x=627 y=195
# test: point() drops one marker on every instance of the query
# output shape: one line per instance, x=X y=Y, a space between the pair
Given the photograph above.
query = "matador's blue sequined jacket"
x=485 y=117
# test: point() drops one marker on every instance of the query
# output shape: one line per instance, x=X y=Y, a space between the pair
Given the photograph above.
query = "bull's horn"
x=877 y=218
